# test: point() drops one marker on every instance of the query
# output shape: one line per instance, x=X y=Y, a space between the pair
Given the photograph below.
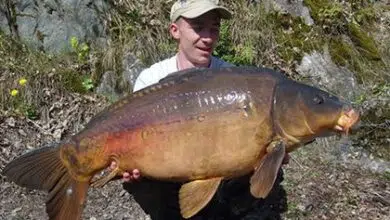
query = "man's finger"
x=136 y=174
x=126 y=177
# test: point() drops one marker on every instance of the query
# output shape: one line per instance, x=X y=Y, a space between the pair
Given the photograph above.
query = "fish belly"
x=196 y=148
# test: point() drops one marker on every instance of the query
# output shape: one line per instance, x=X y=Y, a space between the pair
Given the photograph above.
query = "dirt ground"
x=318 y=185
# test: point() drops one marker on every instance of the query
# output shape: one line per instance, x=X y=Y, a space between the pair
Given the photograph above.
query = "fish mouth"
x=346 y=121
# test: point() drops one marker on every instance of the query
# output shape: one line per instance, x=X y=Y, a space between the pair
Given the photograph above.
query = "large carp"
x=198 y=126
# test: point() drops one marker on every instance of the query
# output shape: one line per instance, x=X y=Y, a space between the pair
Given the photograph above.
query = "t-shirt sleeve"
x=154 y=73
x=161 y=69
x=143 y=80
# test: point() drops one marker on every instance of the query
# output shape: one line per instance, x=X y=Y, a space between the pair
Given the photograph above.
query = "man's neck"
x=183 y=63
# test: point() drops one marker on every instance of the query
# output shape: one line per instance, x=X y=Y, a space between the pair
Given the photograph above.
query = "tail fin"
x=43 y=169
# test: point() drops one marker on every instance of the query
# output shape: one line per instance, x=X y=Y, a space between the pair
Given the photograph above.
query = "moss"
x=340 y=51
x=365 y=43
x=365 y=16
x=336 y=22
x=348 y=54
x=315 y=7
x=329 y=15
x=294 y=37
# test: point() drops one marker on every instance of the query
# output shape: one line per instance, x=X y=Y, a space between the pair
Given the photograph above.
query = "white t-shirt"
x=159 y=70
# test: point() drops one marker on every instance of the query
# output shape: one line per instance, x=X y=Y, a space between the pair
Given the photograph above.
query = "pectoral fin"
x=265 y=174
x=195 y=195
x=105 y=179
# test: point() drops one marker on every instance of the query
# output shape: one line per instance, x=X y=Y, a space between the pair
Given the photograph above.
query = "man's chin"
x=204 y=61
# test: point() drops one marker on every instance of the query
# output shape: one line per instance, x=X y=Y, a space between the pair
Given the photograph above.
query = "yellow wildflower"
x=22 y=81
x=14 y=92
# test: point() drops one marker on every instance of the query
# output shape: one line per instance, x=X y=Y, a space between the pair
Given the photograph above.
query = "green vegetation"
x=341 y=51
x=141 y=27
x=27 y=74
x=82 y=50
x=240 y=54
x=294 y=38
x=364 y=42
x=352 y=31
x=345 y=27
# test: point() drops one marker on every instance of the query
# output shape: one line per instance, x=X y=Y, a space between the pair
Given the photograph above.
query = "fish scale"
x=198 y=127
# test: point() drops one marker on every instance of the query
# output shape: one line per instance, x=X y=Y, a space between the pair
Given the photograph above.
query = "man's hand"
x=134 y=175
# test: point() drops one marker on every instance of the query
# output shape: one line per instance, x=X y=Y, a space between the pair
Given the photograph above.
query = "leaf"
x=74 y=43
x=88 y=84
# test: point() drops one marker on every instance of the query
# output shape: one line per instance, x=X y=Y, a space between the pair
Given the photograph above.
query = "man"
x=195 y=26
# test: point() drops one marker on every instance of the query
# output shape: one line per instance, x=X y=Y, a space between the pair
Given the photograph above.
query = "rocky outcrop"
x=322 y=71
x=295 y=8
x=114 y=85
x=48 y=24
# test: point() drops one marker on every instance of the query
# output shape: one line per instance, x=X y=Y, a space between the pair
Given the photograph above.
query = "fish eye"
x=318 y=99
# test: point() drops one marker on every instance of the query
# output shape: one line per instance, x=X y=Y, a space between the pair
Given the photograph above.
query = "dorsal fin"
x=182 y=73
x=188 y=73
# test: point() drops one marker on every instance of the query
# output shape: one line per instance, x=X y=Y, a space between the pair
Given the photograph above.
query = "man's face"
x=197 y=37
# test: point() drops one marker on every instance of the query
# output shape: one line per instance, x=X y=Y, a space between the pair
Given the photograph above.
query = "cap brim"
x=223 y=12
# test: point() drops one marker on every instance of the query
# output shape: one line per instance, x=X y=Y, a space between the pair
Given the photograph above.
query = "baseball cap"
x=195 y=8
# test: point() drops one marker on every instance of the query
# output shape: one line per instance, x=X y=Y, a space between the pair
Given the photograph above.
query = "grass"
x=318 y=183
x=42 y=73
x=355 y=32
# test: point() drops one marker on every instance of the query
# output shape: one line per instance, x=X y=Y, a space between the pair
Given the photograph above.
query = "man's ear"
x=174 y=30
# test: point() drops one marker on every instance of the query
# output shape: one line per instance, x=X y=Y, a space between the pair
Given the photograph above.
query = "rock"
x=107 y=86
x=49 y=25
x=22 y=132
x=114 y=86
x=57 y=134
x=322 y=72
x=295 y=8
x=14 y=212
x=10 y=121
x=132 y=67
x=301 y=207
